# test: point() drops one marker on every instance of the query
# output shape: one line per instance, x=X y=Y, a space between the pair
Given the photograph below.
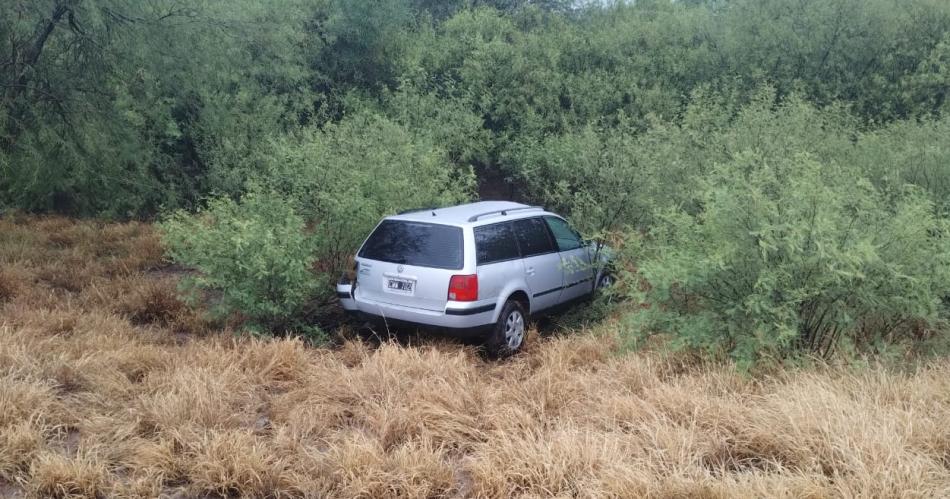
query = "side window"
x=565 y=236
x=533 y=237
x=495 y=243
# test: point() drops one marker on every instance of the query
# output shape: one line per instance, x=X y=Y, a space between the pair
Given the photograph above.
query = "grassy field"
x=109 y=386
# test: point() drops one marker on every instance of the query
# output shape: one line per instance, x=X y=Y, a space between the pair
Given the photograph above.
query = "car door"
x=542 y=263
x=575 y=259
x=497 y=259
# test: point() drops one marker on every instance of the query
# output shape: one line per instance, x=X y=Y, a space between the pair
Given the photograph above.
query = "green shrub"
x=345 y=178
x=910 y=152
x=792 y=255
x=596 y=175
x=313 y=198
x=616 y=177
x=254 y=254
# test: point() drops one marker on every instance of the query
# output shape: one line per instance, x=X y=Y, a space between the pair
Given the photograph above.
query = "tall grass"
x=108 y=387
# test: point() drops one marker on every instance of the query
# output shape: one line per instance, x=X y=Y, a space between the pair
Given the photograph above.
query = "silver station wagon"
x=479 y=268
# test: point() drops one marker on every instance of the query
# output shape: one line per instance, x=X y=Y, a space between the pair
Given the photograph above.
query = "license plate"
x=400 y=286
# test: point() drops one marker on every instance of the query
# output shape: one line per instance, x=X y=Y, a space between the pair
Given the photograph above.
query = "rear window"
x=495 y=243
x=415 y=243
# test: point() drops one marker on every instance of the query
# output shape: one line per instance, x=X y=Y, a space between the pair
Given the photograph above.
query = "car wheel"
x=606 y=280
x=508 y=334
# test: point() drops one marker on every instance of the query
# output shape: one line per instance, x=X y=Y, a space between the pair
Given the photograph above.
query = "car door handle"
x=529 y=271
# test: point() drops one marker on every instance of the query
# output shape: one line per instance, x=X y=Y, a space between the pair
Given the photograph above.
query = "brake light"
x=463 y=288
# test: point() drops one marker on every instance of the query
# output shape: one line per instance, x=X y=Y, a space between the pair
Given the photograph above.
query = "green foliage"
x=597 y=175
x=616 y=177
x=792 y=254
x=313 y=197
x=253 y=256
x=642 y=117
x=109 y=107
x=447 y=122
x=909 y=153
x=344 y=178
x=365 y=42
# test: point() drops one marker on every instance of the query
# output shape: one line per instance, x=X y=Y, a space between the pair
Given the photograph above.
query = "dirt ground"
x=111 y=387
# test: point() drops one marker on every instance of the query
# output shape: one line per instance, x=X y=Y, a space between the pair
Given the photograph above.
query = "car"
x=480 y=269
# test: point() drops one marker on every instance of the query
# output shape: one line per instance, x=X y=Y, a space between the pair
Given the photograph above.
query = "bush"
x=792 y=255
x=313 y=198
x=596 y=175
x=617 y=177
x=253 y=253
x=345 y=178
x=910 y=152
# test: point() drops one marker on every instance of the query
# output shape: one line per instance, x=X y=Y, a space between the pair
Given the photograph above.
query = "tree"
x=109 y=109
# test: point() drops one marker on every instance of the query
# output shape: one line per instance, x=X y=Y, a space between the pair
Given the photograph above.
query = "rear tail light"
x=463 y=288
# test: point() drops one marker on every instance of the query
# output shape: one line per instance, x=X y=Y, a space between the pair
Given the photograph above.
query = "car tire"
x=508 y=334
x=605 y=281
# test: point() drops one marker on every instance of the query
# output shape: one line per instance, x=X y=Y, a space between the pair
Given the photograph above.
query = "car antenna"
x=433 y=213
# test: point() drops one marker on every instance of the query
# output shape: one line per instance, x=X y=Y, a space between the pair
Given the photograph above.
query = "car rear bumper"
x=381 y=324
x=461 y=319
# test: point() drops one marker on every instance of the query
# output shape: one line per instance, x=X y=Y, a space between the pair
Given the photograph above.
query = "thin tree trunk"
x=22 y=71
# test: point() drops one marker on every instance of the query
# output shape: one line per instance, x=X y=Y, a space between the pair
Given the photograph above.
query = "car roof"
x=492 y=211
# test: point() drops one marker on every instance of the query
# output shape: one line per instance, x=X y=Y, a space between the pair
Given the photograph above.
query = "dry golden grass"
x=109 y=387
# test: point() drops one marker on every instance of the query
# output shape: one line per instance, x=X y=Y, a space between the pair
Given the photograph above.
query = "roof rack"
x=503 y=211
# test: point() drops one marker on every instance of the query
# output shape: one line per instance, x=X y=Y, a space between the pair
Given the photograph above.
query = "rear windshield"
x=415 y=243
